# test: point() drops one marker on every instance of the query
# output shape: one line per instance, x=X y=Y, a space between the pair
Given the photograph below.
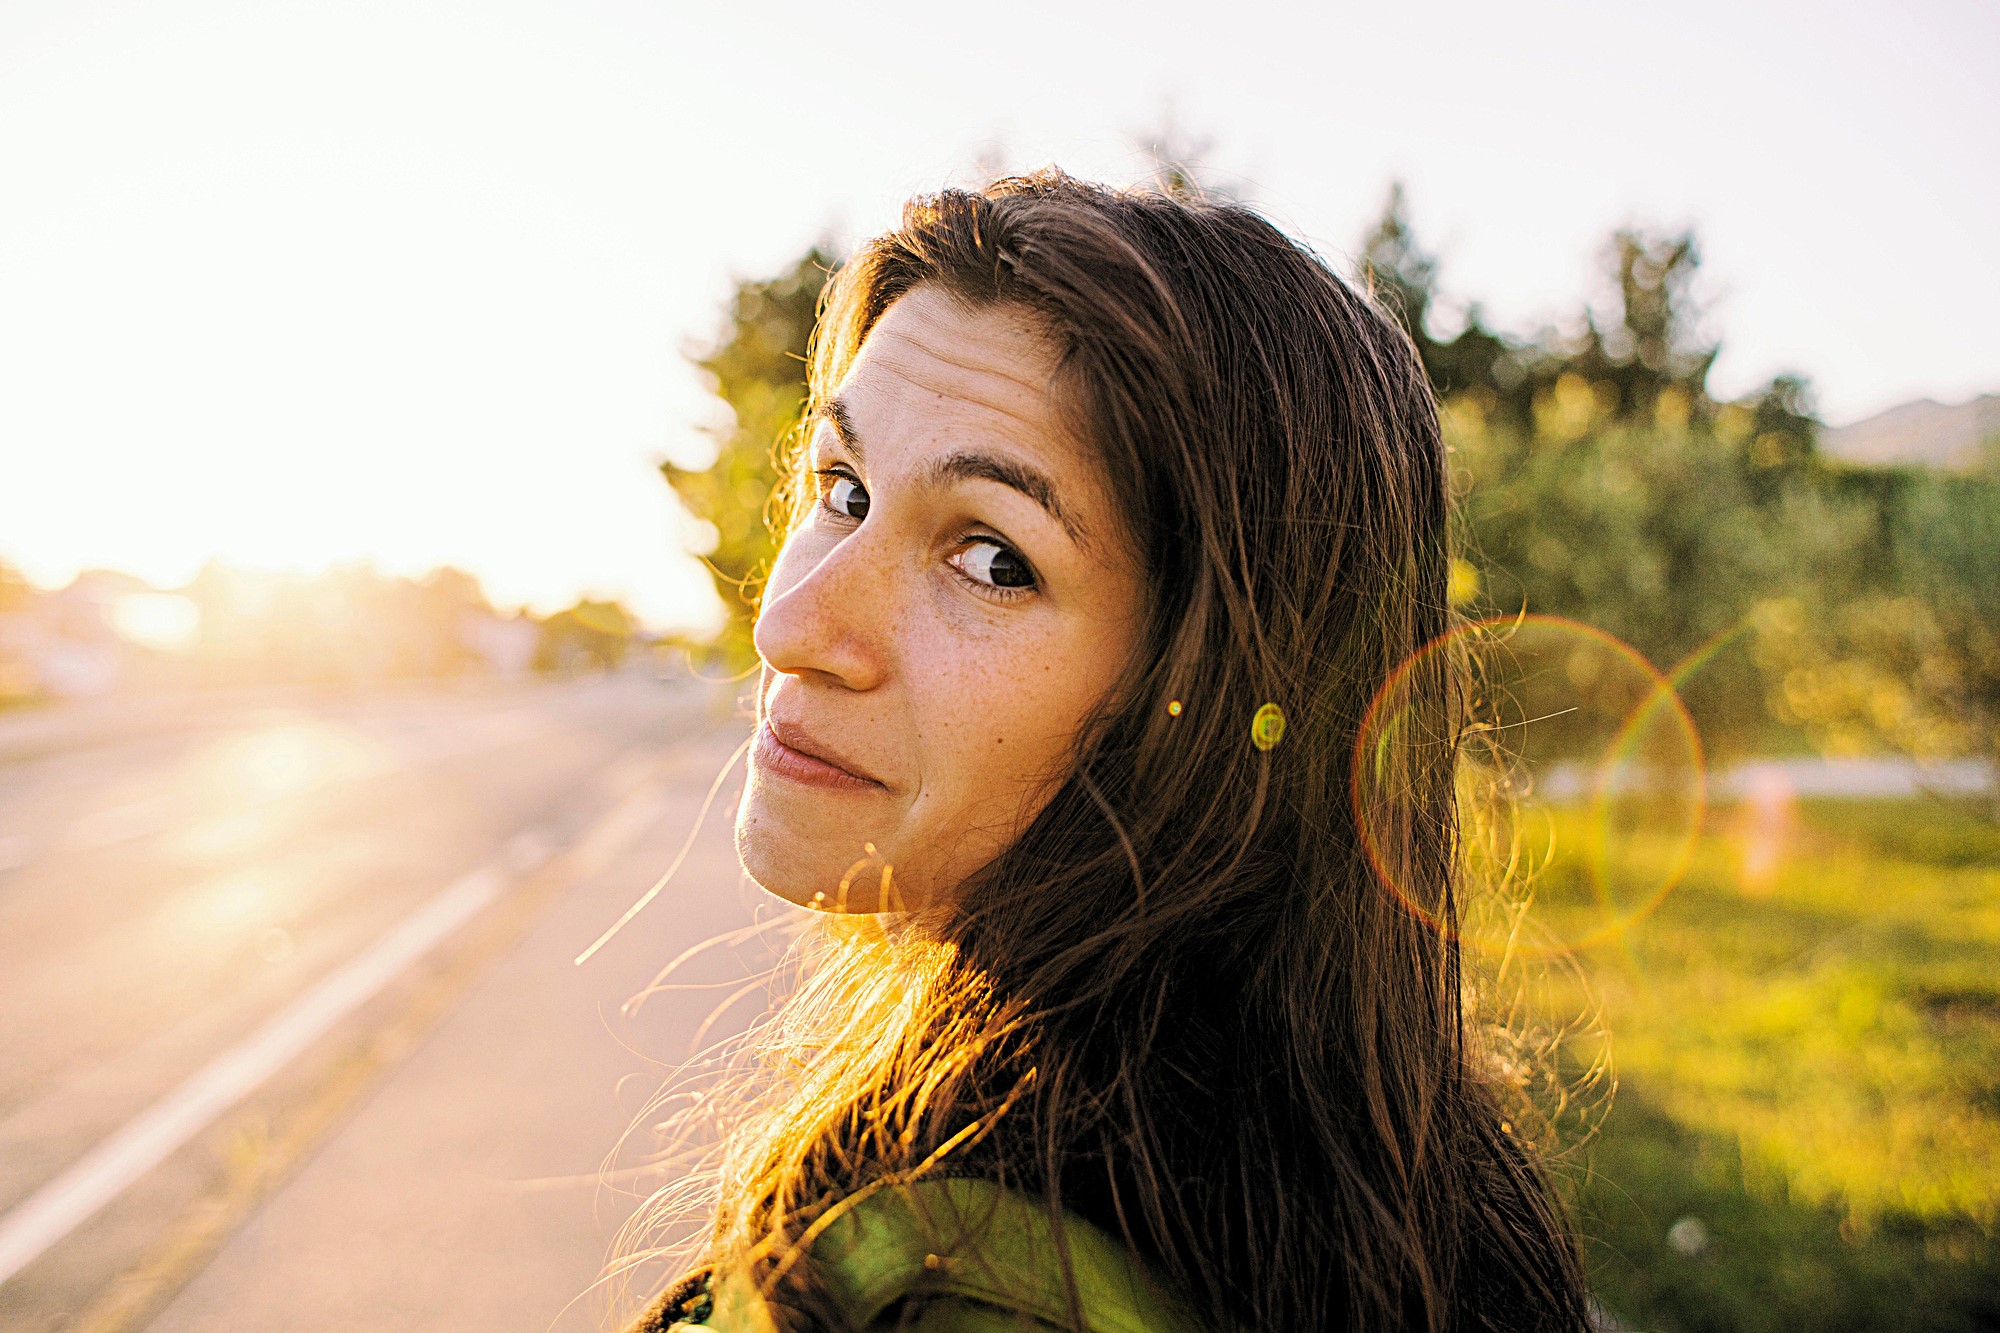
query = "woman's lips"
x=792 y=760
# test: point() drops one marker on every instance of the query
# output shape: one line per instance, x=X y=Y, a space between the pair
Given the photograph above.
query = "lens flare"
x=1267 y=727
x=869 y=864
x=1764 y=828
x=1579 y=774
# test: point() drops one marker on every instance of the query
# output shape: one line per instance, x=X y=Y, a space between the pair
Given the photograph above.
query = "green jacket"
x=946 y=1256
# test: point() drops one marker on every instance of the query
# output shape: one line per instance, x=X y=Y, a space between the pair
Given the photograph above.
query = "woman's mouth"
x=785 y=751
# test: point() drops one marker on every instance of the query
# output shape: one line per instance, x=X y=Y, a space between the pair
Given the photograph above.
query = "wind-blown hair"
x=1184 y=1003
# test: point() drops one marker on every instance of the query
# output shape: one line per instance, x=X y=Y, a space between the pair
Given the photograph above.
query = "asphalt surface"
x=293 y=1033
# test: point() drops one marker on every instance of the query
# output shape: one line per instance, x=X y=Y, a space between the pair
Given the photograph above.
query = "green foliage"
x=1403 y=276
x=1654 y=349
x=757 y=367
x=1649 y=365
x=1806 y=1051
x=1573 y=525
x=1764 y=1262
x=1603 y=483
x=1807 y=1029
x=1806 y=1034
x=590 y=636
x=1904 y=645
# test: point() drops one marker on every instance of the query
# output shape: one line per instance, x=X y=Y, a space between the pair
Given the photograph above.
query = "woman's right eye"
x=845 y=497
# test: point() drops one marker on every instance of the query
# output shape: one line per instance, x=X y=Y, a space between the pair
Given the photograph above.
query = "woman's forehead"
x=941 y=388
x=930 y=353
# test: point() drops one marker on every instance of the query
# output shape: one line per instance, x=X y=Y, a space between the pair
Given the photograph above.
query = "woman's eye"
x=995 y=565
x=846 y=498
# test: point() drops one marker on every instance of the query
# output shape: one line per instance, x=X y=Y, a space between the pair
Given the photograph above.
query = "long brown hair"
x=1184 y=1003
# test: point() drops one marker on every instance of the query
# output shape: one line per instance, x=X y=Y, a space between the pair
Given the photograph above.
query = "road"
x=290 y=1012
x=293 y=1033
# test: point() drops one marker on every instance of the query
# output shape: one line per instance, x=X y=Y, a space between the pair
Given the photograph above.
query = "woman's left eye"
x=996 y=566
x=844 y=496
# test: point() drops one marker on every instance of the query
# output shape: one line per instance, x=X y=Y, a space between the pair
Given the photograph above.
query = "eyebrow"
x=967 y=465
x=835 y=414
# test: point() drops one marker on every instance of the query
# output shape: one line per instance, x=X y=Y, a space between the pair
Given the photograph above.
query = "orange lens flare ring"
x=1379 y=738
x=1616 y=759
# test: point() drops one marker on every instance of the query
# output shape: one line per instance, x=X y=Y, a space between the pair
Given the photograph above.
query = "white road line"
x=60 y=1206
x=611 y=834
x=107 y=1170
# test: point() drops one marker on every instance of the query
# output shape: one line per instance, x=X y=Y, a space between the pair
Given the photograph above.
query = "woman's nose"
x=823 y=614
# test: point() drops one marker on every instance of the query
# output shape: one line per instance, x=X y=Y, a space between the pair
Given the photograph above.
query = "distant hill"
x=1923 y=433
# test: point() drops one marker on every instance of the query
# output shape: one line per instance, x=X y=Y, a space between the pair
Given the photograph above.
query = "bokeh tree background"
x=1807 y=1126
x=756 y=366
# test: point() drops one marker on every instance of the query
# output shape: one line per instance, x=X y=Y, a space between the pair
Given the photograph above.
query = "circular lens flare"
x=1579 y=776
x=1267 y=727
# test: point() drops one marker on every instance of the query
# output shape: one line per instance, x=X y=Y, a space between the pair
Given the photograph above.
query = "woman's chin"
x=839 y=872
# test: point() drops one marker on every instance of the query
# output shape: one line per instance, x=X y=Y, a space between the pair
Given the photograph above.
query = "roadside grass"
x=1806 y=1037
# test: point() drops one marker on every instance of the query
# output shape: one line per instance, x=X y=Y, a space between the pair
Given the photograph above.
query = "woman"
x=1112 y=515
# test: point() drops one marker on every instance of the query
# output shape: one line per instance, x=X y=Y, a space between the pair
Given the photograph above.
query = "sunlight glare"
x=165 y=621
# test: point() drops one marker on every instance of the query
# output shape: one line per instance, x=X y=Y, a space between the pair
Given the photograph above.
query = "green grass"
x=1806 y=1037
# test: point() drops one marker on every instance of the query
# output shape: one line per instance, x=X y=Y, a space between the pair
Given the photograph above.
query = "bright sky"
x=301 y=281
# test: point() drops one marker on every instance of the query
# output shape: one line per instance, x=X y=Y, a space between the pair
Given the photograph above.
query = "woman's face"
x=959 y=599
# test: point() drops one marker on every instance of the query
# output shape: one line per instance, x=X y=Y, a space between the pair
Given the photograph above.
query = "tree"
x=1602 y=482
x=1648 y=365
x=1655 y=348
x=757 y=367
x=1898 y=645
x=590 y=636
x=1400 y=274
x=15 y=592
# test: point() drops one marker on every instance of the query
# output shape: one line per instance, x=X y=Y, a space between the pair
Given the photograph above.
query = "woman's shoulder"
x=949 y=1256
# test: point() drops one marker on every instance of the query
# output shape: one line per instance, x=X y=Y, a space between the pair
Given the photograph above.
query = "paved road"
x=247 y=931
x=293 y=1037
